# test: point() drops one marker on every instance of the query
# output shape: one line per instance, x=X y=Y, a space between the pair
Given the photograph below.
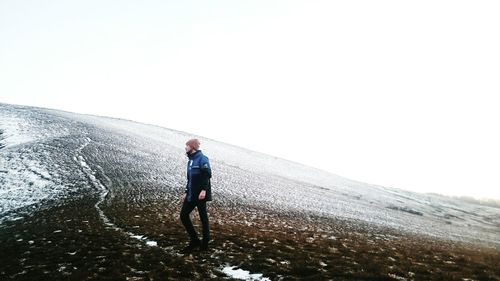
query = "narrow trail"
x=103 y=193
x=103 y=189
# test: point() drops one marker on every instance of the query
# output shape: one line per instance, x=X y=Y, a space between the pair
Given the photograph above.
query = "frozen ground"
x=132 y=176
x=32 y=170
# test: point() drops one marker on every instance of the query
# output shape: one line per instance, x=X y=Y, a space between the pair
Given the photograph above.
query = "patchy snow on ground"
x=48 y=151
x=238 y=273
x=25 y=179
x=14 y=130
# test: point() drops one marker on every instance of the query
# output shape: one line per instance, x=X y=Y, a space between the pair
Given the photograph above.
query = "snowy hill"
x=50 y=158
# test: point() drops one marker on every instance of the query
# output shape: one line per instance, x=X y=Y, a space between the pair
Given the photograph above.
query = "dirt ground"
x=70 y=242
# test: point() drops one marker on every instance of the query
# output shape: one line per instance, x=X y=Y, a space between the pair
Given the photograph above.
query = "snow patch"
x=151 y=243
x=14 y=131
x=143 y=238
x=24 y=182
x=238 y=273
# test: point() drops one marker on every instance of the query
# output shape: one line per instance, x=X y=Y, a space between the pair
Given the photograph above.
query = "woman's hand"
x=202 y=195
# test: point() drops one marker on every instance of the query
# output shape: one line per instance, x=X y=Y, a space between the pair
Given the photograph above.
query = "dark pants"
x=187 y=207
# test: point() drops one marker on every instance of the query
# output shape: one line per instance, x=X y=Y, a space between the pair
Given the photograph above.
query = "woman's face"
x=188 y=148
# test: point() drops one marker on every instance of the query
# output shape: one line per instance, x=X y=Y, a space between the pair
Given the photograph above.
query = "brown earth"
x=70 y=242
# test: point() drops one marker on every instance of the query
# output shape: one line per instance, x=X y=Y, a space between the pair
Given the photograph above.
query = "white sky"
x=396 y=93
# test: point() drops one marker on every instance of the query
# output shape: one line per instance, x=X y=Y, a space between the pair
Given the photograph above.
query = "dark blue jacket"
x=198 y=177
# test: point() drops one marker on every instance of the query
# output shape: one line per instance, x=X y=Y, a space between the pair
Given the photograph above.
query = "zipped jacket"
x=198 y=177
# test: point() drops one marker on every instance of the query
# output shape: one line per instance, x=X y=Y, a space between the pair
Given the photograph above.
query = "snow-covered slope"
x=42 y=153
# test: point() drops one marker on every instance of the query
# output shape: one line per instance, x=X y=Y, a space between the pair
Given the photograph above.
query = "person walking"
x=197 y=193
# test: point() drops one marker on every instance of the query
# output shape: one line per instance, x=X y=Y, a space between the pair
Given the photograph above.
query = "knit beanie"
x=194 y=144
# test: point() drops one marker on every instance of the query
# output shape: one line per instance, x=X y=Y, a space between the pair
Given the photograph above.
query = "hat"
x=193 y=143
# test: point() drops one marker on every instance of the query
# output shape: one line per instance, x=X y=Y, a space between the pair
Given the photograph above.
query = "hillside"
x=86 y=197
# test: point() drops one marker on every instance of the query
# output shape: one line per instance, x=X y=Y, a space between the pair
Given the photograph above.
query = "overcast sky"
x=395 y=93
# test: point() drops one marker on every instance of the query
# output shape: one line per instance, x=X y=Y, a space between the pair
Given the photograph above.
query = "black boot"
x=204 y=245
x=192 y=245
